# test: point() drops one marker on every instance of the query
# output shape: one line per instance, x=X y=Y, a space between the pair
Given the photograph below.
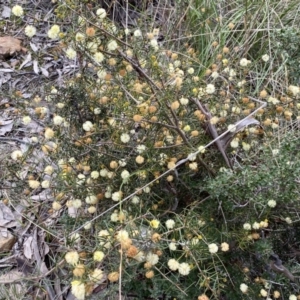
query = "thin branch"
x=138 y=69
x=213 y=132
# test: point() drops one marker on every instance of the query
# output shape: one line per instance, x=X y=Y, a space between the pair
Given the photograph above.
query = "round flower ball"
x=72 y=257
x=101 y=13
x=87 y=126
x=17 y=154
x=203 y=297
x=125 y=138
x=135 y=200
x=172 y=246
x=139 y=159
x=98 y=57
x=113 y=276
x=272 y=203
x=112 y=45
x=263 y=292
x=213 y=248
x=265 y=57
x=255 y=225
x=98 y=256
x=91 y=199
x=18 y=11
x=58 y=120
x=34 y=184
x=117 y=196
x=173 y=264
x=152 y=258
x=49 y=133
x=78 y=289
x=125 y=175
x=79 y=270
x=276 y=294
x=184 y=269
x=92 y=209
x=170 y=224
x=53 y=32
x=30 y=31
x=184 y=101
x=137 y=33
x=247 y=226
x=71 y=53
x=224 y=247
x=154 y=223
x=210 y=89
x=244 y=288
x=95 y=174
x=243 y=62
x=149 y=274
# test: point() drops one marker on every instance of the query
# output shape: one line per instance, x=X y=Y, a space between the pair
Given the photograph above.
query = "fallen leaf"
x=5 y=126
x=42 y=196
x=26 y=95
x=7 y=218
x=26 y=61
x=12 y=285
x=10 y=45
x=28 y=247
x=4 y=78
x=24 y=266
x=45 y=72
x=6 y=70
x=5 y=64
x=6 y=12
x=12 y=276
x=36 y=67
x=34 y=47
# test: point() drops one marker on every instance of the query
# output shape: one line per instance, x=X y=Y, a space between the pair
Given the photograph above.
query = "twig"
x=138 y=69
x=213 y=132
x=14 y=140
x=120 y=274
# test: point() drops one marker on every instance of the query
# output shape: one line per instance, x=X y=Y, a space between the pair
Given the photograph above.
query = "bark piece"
x=10 y=46
x=7 y=240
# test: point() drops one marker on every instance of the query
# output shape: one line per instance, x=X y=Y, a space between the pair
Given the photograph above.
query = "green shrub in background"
x=286 y=47
x=259 y=205
x=144 y=208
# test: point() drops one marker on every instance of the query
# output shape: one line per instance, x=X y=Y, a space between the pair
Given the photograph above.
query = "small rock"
x=7 y=240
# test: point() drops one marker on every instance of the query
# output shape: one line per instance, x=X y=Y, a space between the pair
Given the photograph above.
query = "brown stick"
x=212 y=131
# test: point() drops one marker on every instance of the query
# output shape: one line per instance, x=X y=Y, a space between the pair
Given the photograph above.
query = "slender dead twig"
x=212 y=131
x=138 y=69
